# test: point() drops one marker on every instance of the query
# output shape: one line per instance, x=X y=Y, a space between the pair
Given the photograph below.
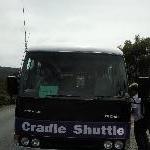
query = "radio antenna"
x=25 y=30
x=26 y=35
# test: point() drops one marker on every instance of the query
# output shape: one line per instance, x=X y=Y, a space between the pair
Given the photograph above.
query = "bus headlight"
x=35 y=142
x=24 y=141
x=108 y=145
x=119 y=145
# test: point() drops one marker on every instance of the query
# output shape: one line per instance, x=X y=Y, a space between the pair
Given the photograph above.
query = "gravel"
x=133 y=145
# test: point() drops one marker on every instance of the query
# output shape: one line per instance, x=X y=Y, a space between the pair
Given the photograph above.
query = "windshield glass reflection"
x=73 y=74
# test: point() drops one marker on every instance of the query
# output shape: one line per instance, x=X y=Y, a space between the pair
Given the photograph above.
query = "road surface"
x=7 y=126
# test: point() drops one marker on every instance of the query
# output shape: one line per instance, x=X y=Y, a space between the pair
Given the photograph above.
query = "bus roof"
x=77 y=49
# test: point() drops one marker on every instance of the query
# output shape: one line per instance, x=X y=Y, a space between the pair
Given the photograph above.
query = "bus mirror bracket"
x=12 y=85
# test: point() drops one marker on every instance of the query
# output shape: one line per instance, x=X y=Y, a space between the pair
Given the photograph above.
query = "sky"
x=92 y=23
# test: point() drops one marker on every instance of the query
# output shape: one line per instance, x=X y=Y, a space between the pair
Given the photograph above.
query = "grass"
x=4 y=97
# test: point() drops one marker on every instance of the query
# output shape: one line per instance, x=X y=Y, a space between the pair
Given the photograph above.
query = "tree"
x=134 y=53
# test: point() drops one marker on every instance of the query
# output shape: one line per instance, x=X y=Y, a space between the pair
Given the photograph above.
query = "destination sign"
x=73 y=128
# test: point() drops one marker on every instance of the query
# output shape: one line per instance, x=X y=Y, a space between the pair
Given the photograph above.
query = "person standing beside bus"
x=139 y=120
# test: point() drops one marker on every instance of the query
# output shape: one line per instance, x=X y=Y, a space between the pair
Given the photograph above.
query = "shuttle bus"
x=71 y=98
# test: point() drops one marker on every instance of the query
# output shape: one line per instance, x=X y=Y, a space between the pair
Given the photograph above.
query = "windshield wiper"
x=101 y=97
x=62 y=96
x=98 y=97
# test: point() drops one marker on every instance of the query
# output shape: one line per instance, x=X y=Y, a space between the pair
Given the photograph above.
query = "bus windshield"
x=46 y=74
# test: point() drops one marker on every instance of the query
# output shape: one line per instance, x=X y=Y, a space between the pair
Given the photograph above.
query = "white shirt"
x=136 y=108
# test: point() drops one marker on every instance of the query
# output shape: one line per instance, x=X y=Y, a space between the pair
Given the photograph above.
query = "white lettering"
x=114 y=130
x=49 y=128
x=46 y=128
x=103 y=130
x=96 y=131
x=40 y=128
x=120 y=131
x=55 y=128
x=87 y=130
x=26 y=126
x=62 y=129
x=33 y=128
x=109 y=129
x=77 y=129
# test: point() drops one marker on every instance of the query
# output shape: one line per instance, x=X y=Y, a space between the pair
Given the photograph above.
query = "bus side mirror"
x=12 y=85
x=144 y=87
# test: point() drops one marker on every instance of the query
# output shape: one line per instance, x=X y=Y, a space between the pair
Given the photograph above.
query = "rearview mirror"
x=144 y=87
x=12 y=85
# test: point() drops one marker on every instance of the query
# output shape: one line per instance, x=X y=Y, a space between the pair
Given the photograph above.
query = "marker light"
x=24 y=141
x=35 y=142
x=119 y=145
x=108 y=145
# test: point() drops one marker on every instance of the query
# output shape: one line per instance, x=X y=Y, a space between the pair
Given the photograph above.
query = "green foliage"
x=134 y=52
x=3 y=94
x=4 y=97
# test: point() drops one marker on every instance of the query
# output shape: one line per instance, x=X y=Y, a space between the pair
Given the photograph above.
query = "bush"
x=4 y=97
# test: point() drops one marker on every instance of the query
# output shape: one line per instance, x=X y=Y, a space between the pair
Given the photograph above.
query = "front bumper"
x=68 y=143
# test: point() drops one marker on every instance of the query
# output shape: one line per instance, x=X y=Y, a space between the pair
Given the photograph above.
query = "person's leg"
x=147 y=124
x=140 y=134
